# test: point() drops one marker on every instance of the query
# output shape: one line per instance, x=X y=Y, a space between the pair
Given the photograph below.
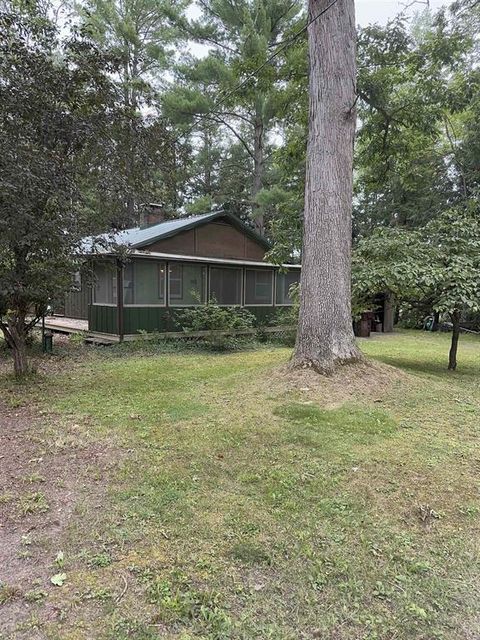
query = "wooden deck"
x=65 y=325
x=62 y=324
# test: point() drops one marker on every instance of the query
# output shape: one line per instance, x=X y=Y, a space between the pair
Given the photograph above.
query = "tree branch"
x=454 y=152
x=235 y=133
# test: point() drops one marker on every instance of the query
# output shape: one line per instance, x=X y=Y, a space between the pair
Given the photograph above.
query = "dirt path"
x=47 y=474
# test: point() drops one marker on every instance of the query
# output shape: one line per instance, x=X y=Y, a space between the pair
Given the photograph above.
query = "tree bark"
x=325 y=334
x=452 y=357
x=207 y=175
x=15 y=336
x=130 y=76
x=259 y=166
x=388 y=313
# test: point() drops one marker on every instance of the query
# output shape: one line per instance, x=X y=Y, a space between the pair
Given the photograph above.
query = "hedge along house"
x=183 y=263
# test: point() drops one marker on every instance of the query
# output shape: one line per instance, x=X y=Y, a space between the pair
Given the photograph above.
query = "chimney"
x=153 y=214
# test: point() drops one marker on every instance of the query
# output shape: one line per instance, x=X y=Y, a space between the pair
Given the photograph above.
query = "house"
x=176 y=264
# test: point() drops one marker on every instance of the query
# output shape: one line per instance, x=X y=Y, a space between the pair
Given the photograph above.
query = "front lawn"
x=222 y=498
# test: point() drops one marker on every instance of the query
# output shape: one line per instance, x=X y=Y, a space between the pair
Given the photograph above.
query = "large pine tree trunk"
x=325 y=334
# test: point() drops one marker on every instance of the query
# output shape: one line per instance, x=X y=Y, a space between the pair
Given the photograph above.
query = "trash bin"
x=47 y=342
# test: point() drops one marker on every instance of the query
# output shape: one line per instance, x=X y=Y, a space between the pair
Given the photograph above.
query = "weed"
x=98 y=560
x=34 y=503
x=34 y=478
x=9 y=593
x=35 y=595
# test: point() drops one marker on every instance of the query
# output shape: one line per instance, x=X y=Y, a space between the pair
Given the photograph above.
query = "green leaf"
x=58 y=579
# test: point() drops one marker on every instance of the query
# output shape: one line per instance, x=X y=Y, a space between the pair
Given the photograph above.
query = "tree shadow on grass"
x=435 y=367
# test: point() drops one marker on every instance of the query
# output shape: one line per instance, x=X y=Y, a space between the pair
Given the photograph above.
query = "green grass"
x=243 y=509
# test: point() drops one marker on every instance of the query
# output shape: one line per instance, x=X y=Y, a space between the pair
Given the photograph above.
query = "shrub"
x=213 y=318
x=283 y=317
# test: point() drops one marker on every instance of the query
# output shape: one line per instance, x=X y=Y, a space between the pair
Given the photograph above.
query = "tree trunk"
x=452 y=358
x=388 y=313
x=207 y=176
x=16 y=339
x=436 y=321
x=131 y=105
x=325 y=334
x=259 y=166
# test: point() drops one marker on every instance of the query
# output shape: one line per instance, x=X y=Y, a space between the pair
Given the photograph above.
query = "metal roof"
x=139 y=237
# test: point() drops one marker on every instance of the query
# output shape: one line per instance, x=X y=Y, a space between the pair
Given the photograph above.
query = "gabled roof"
x=139 y=237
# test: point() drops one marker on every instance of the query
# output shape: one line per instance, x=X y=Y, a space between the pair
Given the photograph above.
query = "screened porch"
x=174 y=283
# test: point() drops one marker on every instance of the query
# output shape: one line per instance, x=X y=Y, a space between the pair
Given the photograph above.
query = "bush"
x=213 y=318
x=283 y=317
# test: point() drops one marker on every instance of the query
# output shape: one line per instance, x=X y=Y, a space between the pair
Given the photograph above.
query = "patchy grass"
x=244 y=506
x=33 y=503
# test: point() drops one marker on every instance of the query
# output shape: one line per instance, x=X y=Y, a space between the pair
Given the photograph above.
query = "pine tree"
x=241 y=37
x=143 y=35
x=325 y=334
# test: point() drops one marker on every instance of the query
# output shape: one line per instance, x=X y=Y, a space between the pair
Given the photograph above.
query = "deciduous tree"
x=53 y=108
x=434 y=268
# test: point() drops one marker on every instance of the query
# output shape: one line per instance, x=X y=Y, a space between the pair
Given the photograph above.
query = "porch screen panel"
x=128 y=271
x=105 y=290
x=148 y=283
x=186 y=284
x=284 y=282
x=226 y=285
x=258 y=287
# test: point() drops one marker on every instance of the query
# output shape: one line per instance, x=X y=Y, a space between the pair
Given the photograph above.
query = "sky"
x=367 y=12
x=373 y=10
x=382 y=10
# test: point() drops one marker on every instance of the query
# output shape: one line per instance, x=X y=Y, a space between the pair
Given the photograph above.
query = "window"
x=258 y=287
x=144 y=283
x=284 y=282
x=105 y=290
x=226 y=285
x=176 y=281
x=186 y=284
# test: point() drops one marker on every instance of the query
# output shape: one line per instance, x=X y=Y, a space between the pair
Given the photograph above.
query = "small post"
x=47 y=338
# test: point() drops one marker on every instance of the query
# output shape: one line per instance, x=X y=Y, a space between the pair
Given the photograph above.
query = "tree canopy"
x=55 y=117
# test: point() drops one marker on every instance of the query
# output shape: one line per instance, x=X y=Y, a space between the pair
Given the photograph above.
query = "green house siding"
x=102 y=318
x=137 y=319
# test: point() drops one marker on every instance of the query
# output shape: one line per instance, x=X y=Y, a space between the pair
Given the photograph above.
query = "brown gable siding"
x=183 y=243
x=212 y=240
x=253 y=251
